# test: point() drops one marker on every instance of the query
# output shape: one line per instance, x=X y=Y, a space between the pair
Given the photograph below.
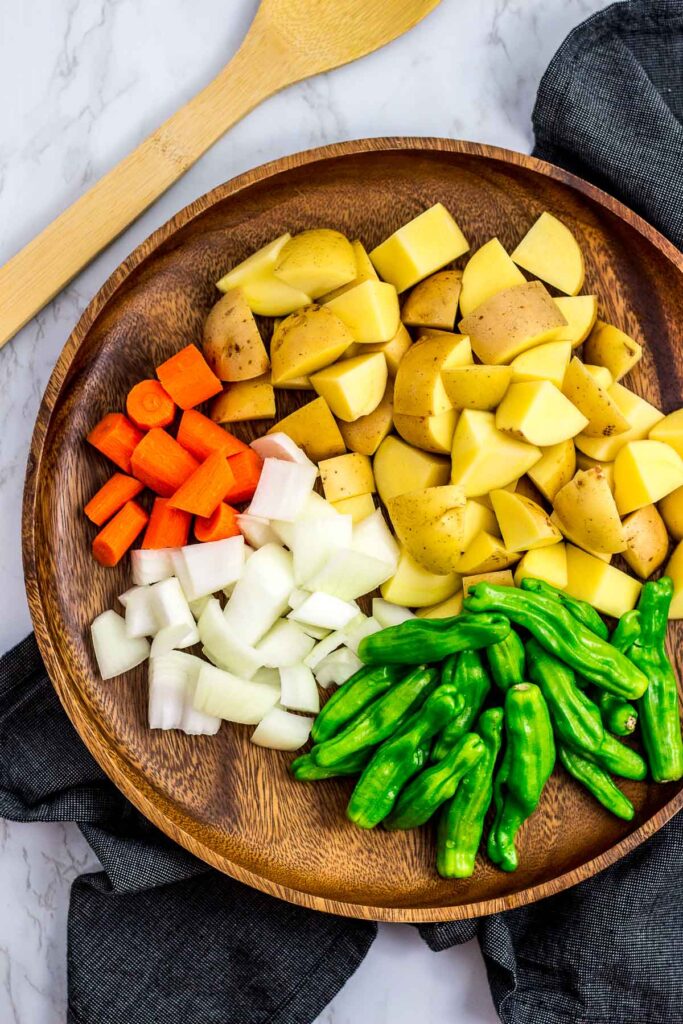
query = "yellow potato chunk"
x=647 y=542
x=486 y=553
x=600 y=375
x=608 y=589
x=353 y=387
x=313 y=428
x=263 y=259
x=359 y=507
x=537 y=412
x=544 y=362
x=432 y=433
x=502 y=578
x=671 y=510
x=526 y=489
x=365 y=434
x=346 y=476
x=413 y=586
x=488 y=270
x=364 y=272
x=420 y=248
x=549 y=564
x=316 y=261
x=444 y=610
x=512 y=321
x=393 y=350
x=263 y=292
x=305 y=342
x=245 y=400
x=674 y=569
x=641 y=417
x=419 y=389
x=398 y=467
x=586 y=504
x=232 y=344
x=434 y=301
x=477 y=518
x=644 y=472
x=554 y=469
x=584 y=391
x=550 y=251
x=567 y=533
x=585 y=462
x=580 y=312
x=670 y=431
x=484 y=458
x=610 y=347
x=370 y=311
x=523 y=524
x=430 y=523
x=476 y=387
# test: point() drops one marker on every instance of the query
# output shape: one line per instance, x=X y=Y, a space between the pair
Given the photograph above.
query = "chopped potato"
x=431 y=433
x=346 y=476
x=526 y=489
x=671 y=510
x=353 y=387
x=434 y=301
x=586 y=504
x=444 y=610
x=545 y=362
x=313 y=428
x=549 y=564
x=264 y=293
x=554 y=469
x=585 y=462
x=488 y=270
x=600 y=375
x=316 y=261
x=430 y=523
x=502 y=578
x=413 y=586
x=674 y=569
x=537 y=412
x=645 y=472
x=359 y=507
x=485 y=553
x=364 y=272
x=232 y=345
x=399 y=468
x=524 y=525
x=419 y=248
x=392 y=350
x=366 y=433
x=567 y=532
x=610 y=347
x=370 y=311
x=608 y=589
x=641 y=417
x=478 y=518
x=476 y=387
x=419 y=389
x=580 y=312
x=550 y=251
x=670 y=431
x=585 y=392
x=647 y=542
x=484 y=458
x=295 y=384
x=307 y=341
x=245 y=400
x=511 y=321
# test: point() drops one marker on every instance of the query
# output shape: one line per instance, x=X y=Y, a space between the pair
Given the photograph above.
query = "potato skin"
x=647 y=541
x=232 y=344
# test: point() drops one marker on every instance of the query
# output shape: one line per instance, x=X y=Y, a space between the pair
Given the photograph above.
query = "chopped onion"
x=232 y=698
x=298 y=690
x=198 y=606
x=172 y=684
x=349 y=574
x=282 y=489
x=317 y=632
x=337 y=667
x=372 y=536
x=151 y=566
x=285 y=644
x=315 y=539
x=171 y=608
x=123 y=598
x=388 y=614
x=297 y=597
x=280 y=730
x=315 y=506
x=225 y=645
x=323 y=648
x=356 y=632
x=115 y=651
x=206 y=568
x=170 y=638
x=257 y=530
x=321 y=609
x=261 y=595
x=267 y=675
x=141 y=613
x=280 y=446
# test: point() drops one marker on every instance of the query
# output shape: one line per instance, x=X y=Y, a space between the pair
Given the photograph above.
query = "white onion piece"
x=372 y=537
x=388 y=614
x=349 y=574
x=256 y=530
x=280 y=446
x=224 y=644
x=323 y=648
x=171 y=608
x=261 y=595
x=297 y=597
x=282 y=489
x=206 y=568
x=315 y=539
x=198 y=606
x=315 y=506
x=232 y=698
x=172 y=684
x=267 y=675
x=285 y=644
x=317 y=632
x=298 y=690
x=321 y=609
x=123 y=598
x=281 y=730
x=337 y=667
x=115 y=651
x=141 y=614
x=170 y=638
x=151 y=566
x=356 y=633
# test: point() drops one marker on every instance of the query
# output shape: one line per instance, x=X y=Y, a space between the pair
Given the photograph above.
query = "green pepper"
x=506 y=661
x=420 y=640
x=626 y=631
x=361 y=689
x=462 y=819
x=472 y=682
x=526 y=767
x=618 y=715
x=378 y=721
x=560 y=633
x=399 y=758
x=659 y=713
x=304 y=768
x=582 y=611
x=432 y=787
x=576 y=719
x=596 y=782
x=617 y=758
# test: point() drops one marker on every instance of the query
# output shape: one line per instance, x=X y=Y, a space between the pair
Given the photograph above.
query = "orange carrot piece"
x=148 y=405
x=202 y=437
x=161 y=464
x=188 y=378
x=246 y=468
x=168 y=527
x=116 y=437
x=111 y=496
x=112 y=542
x=202 y=493
x=222 y=523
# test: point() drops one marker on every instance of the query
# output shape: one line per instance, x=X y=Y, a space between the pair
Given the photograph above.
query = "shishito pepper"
x=432 y=787
x=472 y=682
x=357 y=692
x=461 y=823
x=561 y=634
x=619 y=716
x=399 y=758
x=626 y=631
x=582 y=611
x=378 y=721
x=420 y=640
x=659 y=713
x=618 y=759
x=304 y=768
x=506 y=661
x=596 y=782
x=526 y=767
x=576 y=719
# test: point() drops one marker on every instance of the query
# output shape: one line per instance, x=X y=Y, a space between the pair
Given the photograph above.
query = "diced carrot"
x=246 y=468
x=168 y=527
x=116 y=437
x=202 y=493
x=113 y=540
x=202 y=437
x=148 y=405
x=111 y=496
x=220 y=525
x=161 y=463
x=188 y=378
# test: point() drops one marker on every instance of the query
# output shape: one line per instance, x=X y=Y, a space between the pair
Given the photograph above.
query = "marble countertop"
x=83 y=83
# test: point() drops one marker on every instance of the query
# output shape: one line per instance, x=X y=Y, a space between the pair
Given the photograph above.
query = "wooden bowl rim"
x=112 y=760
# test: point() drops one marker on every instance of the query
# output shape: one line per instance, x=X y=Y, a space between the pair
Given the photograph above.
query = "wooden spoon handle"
x=43 y=267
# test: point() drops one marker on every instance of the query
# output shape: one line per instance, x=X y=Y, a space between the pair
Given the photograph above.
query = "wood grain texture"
x=232 y=804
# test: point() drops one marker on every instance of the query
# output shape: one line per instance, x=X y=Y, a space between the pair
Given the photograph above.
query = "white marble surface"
x=82 y=82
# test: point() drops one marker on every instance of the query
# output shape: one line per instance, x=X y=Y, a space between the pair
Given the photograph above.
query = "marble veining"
x=82 y=84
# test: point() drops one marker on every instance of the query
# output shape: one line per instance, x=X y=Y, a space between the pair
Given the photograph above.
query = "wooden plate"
x=228 y=802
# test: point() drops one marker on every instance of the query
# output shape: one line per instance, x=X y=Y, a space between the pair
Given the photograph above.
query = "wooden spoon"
x=288 y=40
